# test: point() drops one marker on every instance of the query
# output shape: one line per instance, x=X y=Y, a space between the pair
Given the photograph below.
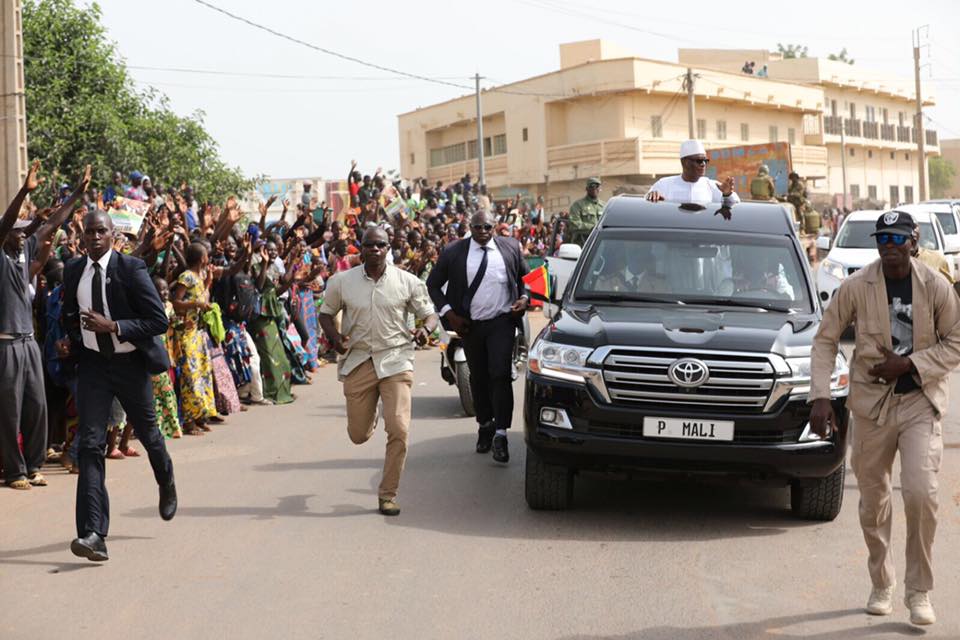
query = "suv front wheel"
x=547 y=486
x=818 y=499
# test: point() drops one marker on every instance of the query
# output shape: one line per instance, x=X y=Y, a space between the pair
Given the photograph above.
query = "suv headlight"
x=561 y=361
x=839 y=379
x=833 y=269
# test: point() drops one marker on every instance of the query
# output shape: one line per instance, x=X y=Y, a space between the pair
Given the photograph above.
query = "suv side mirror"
x=951 y=245
x=569 y=251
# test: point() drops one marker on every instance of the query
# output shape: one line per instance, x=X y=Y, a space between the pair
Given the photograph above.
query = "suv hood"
x=858 y=258
x=694 y=327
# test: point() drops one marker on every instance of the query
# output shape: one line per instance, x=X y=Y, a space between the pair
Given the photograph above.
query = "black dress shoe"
x=485 y=438
x=168 y=501
x=501 y=453
x=92 y=547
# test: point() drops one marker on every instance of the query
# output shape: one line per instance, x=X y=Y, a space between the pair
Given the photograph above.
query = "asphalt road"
x=277 y=536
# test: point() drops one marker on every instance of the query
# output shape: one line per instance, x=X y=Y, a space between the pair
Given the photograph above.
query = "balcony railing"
x=888 y=132
x=931 y=138
x=871 y=130
x=904 y=134
x=832 y=124
x=851 y=126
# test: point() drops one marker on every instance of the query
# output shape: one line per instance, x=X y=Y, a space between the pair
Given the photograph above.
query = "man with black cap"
x=907 y=343
x=585 y=213
x=693 y=185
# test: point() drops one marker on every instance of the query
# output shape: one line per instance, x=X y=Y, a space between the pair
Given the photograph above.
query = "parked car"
x=855 y=248
x=948 y=214
x=682 y=346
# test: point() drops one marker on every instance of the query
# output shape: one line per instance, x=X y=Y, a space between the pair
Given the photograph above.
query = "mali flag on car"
x=538 y=281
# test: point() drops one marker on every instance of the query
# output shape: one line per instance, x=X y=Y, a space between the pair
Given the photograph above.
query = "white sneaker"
x=921 y=611
x=881 y=601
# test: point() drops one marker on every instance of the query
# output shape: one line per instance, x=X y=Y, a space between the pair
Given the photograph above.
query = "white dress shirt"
x=703 y=191
x=493 y=295
x=85 y=303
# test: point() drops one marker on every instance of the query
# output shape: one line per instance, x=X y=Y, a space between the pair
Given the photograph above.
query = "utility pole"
x=918 y=119
x=691 y=107
x=482 y=179
x=13 y=111
x=843 y=162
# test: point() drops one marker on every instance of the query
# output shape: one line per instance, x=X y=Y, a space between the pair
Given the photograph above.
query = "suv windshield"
x=684 y=268
x=947 y=222
x=856 y=235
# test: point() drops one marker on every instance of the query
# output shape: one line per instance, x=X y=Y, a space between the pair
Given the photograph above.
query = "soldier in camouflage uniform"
x=762 y=186
x=797 y=193
x=585 y=213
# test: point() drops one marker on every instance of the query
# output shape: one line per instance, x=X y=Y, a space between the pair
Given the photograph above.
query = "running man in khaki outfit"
x=377 y=350
x=907 y=344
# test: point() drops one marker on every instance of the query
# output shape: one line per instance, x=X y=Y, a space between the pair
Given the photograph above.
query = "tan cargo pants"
x=363 y=390
x=915 y=432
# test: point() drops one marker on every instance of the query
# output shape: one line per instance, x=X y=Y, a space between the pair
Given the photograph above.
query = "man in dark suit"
x=483 y=303
x=112 y=315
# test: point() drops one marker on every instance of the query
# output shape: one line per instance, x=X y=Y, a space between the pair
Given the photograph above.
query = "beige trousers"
x=915 y=432
x=363 y=390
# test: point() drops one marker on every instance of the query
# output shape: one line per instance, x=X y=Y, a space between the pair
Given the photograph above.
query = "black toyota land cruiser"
x=681 y=344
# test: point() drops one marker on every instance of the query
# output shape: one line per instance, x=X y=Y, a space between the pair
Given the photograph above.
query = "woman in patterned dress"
x=196 y=374
x=274 y=365
x=164 y=397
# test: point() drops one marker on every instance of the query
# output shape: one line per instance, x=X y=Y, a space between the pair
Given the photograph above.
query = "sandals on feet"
x=37 y=480
x=20 y=484
x=130 y=452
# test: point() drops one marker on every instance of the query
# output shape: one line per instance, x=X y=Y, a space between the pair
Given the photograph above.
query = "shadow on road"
x=17 y=556
x=772 y=628
x=287 y=507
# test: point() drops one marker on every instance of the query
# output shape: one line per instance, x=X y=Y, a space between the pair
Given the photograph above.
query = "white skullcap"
x=692 y=148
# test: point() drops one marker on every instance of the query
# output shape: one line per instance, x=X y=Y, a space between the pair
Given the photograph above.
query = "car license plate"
x=685 y=429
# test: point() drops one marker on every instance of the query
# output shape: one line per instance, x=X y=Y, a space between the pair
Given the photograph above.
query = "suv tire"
x=819 y=499
x=546 y=486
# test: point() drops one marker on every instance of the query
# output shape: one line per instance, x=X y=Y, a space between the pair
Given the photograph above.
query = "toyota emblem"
x=688 y=373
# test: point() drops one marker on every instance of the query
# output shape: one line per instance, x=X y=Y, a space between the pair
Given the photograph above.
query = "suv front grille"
x=737 y=383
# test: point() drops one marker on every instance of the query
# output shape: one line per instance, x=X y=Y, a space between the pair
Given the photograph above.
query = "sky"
x=284 y=109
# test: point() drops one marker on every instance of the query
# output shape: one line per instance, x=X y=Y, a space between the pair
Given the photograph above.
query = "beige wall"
x=880 y=170
x=951 y=151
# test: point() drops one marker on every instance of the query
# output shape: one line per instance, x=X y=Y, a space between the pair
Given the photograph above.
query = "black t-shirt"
x=900 y=304
x=16 y=311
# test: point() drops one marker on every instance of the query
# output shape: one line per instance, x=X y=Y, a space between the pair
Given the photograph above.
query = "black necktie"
x=104 y=341
x=478 y=278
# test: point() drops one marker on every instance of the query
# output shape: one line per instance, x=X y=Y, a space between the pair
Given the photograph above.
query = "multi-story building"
x=874 y=112
x=608 y=113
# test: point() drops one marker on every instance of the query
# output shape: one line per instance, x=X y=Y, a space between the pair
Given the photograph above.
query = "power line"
x=248 y=74
x=330 y=52
x=275 y=91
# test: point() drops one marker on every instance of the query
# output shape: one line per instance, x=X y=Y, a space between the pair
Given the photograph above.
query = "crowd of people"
x=241 y=296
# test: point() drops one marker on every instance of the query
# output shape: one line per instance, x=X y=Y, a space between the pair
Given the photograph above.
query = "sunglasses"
x=485 y=227
x=375 y=245
x=887 y=238
x=701 y=161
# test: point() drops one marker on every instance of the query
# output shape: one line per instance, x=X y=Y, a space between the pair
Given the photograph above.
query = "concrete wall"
x=951 y=151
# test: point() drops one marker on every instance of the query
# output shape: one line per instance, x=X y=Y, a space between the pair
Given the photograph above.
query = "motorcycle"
x=455 y=370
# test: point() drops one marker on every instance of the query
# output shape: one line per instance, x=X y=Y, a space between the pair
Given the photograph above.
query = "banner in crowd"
x=128 y=215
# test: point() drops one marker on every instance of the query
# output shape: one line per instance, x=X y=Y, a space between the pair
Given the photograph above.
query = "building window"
x=906 y=157
x=872 y=191
x=853 y=151
x=855 y=191
x=774 y=134
x=524 y=134
x=853 y=111
x=894 y=195
x=833 y=108
x=413 y=159
x=893 y=155
x=908 y=194
x=869 y=153
x=721 y=129
x=885 y=115
x=870 y=114
x=900 y=118
x=449 y=154
x=744 y=131
x=499 y=144
x=701 y=129
x=656 y=127
x=792 y=135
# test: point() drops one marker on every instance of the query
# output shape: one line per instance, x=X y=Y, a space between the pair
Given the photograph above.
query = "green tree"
x=942 y=172
x=82 y=107
x=843 y=56
x=792 y=51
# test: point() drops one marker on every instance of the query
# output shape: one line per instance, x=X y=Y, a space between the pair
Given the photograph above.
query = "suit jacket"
x=134 y=305
x=862 y=299
x=451 y=270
